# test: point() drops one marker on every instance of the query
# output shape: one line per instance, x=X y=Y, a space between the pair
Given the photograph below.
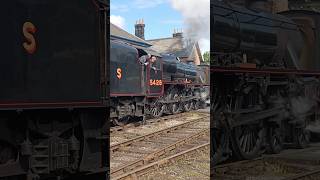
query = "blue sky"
x=159 y=16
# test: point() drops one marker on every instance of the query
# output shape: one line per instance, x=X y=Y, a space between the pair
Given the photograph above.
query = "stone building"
x=116 y=33
x=177 y=45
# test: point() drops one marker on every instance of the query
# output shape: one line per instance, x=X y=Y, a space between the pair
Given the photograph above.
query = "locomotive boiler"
x=53 y=89
x=166 y=86
x=285 y=39
x=270 y=63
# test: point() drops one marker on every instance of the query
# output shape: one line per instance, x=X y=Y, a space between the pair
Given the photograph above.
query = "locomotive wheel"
x=219 y=144
x=187 y=106
x=191 y=105
x=247 y=141
x=175 y=108
x=302 y=138
x=196 y=105
x=120 y=122
x=156 y=110
x=275 y=140
x=215 y=99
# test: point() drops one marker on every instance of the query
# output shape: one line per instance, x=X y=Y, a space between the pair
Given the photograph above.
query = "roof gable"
x=175 y=46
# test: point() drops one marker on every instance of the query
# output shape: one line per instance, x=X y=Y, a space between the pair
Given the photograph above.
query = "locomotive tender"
x=271 y=65
x=53 y=110
x=166 y=86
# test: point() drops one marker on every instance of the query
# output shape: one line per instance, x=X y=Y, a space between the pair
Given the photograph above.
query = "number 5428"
x=154 y=82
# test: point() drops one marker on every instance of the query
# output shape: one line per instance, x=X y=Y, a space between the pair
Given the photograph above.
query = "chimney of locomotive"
x=139 y=28
x=177 y=33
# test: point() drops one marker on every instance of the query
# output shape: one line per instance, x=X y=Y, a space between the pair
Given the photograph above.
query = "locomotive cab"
x=125 y=71
x=135 y=75
x=136 y=67
x=152 y=71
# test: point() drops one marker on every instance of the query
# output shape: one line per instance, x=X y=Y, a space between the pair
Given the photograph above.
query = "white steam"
x=118 y=21
x=196 y=17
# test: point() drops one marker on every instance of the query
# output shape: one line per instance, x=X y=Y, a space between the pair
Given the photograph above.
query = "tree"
x=206 y=57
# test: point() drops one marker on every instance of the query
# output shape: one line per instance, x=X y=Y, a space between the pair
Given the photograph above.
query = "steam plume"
x=196 y=15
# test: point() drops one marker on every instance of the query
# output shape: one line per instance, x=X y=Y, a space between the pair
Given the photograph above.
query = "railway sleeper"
x=179 y=146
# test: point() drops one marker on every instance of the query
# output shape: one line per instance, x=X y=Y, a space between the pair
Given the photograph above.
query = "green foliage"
x=206 y=57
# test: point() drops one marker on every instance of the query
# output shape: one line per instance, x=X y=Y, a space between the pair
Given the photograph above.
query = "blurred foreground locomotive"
x=144 y=83
x=53 y=110
x=265 y=72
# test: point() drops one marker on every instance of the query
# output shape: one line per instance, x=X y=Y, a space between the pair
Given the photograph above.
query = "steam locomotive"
x=271 y=65
x=167 y=86
x=53 y=110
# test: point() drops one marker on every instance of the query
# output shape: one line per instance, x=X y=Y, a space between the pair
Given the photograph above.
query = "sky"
x=161 y=17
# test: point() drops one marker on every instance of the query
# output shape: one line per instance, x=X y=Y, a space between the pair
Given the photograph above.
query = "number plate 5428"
x=156 y=82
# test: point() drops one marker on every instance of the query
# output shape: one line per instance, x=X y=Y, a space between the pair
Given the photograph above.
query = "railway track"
x=116 y=129
x=190 y=166
x=313 y=175
x=267 y=167
x=133 y=157
x=120 y=134
x=143 y=170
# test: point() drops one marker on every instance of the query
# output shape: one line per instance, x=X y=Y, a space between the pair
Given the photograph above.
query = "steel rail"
x=115 y=147
x=151 y=121
x=134 y=174
x=154 y=155
x=315 y=173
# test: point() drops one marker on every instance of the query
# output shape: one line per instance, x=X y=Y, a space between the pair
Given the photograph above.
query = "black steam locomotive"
x=53 y=91
x=265 y=73
x=166 y=86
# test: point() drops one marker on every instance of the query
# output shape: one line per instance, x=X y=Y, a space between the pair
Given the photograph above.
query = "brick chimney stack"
x=139 y=28
x=177 y=33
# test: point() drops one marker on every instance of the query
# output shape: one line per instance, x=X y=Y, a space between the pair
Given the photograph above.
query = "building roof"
x=120 y=34
x=174 y=45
